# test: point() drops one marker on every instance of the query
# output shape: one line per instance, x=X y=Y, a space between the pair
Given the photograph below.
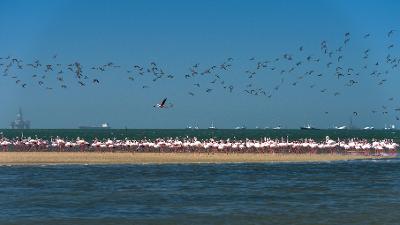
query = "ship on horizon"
x=212 y=127
x=101 y=127
x=369 y=128
x=390 y=127
x=308 y=127
x=192 y=127
x=20 y=122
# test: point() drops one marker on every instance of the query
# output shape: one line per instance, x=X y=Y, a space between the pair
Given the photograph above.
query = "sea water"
x=90 y=134
x=351 y=192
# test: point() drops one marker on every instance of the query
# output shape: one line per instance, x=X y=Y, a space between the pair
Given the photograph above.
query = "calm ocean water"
x=203 y=134
x=356 y=192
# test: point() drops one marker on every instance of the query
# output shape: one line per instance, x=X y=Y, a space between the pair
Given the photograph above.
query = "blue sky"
x=179 y=34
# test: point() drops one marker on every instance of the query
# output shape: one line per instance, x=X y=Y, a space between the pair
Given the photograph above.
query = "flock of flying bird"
x=291 y=69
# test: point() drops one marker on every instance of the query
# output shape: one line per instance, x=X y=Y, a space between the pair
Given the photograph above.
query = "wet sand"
x=164 y=158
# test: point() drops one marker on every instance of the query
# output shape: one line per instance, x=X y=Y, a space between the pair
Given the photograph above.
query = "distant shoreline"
x=32 y=158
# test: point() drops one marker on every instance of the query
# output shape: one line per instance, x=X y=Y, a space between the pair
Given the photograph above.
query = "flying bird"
x=390 y=33
x=162 y=104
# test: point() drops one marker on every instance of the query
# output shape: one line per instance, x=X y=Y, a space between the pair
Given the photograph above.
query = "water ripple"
x=356 y=192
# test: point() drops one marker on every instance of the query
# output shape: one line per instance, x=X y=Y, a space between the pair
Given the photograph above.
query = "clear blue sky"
x=178 y=34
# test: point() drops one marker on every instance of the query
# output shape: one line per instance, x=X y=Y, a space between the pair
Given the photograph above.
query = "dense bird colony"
x=264 y=145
